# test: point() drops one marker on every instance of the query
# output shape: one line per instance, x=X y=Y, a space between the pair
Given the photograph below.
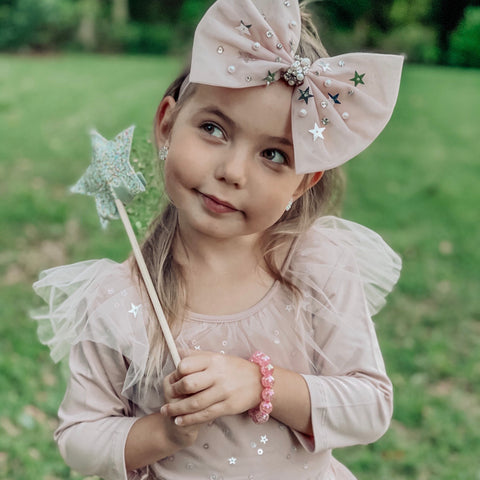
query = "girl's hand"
x=208 y=385
x=157 y=436
x=181 y=436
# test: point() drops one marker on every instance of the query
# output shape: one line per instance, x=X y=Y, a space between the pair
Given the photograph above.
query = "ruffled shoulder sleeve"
x=333 y=247
x=97 y=301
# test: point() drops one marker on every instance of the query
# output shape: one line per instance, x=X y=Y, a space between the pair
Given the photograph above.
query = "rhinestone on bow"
x=295 y=75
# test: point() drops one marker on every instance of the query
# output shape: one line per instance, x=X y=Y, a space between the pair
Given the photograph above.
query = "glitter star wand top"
x=111 y=179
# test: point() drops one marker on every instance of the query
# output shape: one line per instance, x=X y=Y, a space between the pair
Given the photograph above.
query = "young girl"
x=270 y=301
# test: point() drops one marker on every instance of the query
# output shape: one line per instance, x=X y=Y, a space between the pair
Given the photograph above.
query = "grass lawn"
x=417 y=186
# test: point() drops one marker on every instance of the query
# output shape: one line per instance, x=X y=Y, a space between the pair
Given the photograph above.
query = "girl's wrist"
x=149 y=441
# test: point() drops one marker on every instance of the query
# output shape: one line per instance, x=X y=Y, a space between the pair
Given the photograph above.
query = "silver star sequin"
x=134 y=310
x=317 y=132
x=325 y=66
x=110 y=175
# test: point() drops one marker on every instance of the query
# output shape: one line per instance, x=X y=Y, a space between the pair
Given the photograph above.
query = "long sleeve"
x=94 y=417
x=350 y=392
x=351 y=397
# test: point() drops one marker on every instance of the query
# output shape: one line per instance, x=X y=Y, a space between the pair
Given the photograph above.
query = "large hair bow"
x=339 y=104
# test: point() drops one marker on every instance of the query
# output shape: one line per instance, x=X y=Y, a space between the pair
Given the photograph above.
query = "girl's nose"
x=232 y=168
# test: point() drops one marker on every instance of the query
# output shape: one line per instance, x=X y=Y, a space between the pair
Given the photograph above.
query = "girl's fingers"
x=185 y=380
x=195 y=363
x=191 y=384
x=201 y=417
x=192 y=404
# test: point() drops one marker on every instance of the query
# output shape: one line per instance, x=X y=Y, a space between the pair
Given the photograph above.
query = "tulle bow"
x=339 y=104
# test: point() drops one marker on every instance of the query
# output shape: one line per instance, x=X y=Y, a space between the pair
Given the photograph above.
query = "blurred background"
x=69 y=65
x=427 y=31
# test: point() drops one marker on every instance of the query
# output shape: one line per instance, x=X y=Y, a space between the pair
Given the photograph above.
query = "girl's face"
x=230 y=169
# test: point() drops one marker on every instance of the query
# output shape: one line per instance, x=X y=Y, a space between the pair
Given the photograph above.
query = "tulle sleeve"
x=96 y=301
x=345 y=271
x=337 y=245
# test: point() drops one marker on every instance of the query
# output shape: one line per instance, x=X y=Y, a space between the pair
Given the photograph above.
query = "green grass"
x=416 y=185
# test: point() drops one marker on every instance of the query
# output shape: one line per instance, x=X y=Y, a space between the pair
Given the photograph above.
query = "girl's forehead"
x=258 y=94
x=268 y=107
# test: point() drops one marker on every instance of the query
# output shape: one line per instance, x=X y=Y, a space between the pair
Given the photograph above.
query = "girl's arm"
x=351 y=395
x=98 y=433
x=94 y=417
x=154 y=437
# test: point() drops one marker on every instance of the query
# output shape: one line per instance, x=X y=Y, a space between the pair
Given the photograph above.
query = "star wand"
x=111 y=179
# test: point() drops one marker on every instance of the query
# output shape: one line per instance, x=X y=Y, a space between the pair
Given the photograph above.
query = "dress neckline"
x=235 y=317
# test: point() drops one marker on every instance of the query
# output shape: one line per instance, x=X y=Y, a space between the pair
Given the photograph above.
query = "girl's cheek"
x=169 y=184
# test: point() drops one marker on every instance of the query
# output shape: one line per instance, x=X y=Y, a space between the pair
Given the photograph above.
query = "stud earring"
x=163 y=153
x=289 y=205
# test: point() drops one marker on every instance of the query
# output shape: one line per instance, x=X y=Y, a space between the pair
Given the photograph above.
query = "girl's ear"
x=309 y=182
x=315 y=179
x=163 y=120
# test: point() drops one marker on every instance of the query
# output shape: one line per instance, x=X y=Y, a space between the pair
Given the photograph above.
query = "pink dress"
x=97 y=313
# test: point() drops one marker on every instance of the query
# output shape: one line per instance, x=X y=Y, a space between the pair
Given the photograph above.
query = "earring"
x=289 y=205
x=163 y=153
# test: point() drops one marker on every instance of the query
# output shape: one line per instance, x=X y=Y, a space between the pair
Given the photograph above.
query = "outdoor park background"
x=69 y=65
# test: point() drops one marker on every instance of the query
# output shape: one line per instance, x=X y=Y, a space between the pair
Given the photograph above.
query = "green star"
x=358 y=79
x=305 y=94
x=270 y=78
x=110 y=175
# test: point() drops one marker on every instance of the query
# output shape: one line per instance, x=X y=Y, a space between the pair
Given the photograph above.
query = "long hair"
x=158 y=248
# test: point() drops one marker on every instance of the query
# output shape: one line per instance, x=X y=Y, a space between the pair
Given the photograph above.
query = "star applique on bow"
x=110 y=175
x=317 y=133
x=305 y=94
x=244 y=29
x=270 y=78
x=335 y=98
x=358 y=79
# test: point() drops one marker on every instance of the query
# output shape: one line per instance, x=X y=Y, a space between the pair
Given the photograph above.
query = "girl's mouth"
x=216 y=205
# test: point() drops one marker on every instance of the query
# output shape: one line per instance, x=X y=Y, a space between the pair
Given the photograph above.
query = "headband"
x=339 y=104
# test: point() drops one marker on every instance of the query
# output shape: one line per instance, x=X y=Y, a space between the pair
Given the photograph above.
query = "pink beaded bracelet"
x=261 y=414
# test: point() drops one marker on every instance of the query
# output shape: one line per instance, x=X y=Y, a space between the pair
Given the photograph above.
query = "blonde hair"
x=158 y=248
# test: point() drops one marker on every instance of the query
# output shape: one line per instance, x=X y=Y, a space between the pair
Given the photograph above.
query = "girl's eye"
x=275 y=156
x=213 y=130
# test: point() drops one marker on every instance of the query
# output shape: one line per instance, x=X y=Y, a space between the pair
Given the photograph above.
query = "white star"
x=247 y=57
x=232 y=461
x=197 y=347
x=263 y=439
x=134 y=310
x=325 y=67
x=317 y=132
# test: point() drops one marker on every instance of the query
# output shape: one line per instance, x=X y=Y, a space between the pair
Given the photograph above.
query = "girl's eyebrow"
x=214 y=110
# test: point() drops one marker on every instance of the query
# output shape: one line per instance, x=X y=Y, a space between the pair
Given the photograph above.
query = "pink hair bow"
x=339 y=104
